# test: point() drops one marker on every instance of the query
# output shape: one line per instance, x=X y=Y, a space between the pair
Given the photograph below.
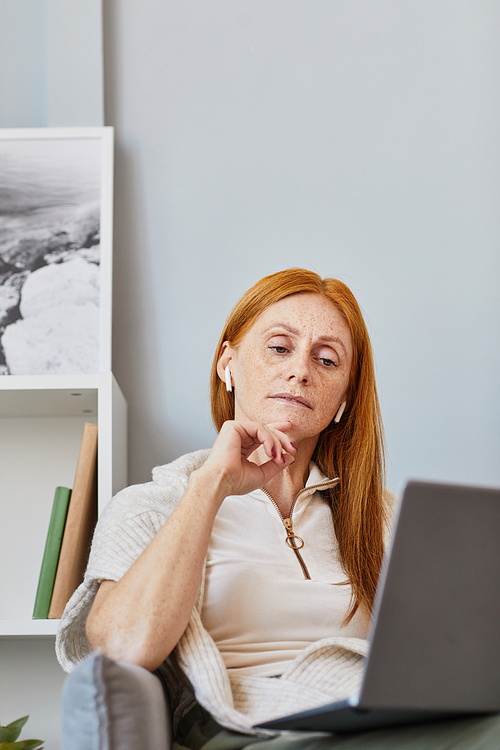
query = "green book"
x=51 y=554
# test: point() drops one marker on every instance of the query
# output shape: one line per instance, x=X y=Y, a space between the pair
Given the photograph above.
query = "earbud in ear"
x=340 y=411
x=227 y=375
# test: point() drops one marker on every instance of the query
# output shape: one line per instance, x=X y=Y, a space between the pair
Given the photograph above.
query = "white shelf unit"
x=41 y=424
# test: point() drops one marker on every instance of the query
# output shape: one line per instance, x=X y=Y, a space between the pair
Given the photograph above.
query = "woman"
x=260 y=558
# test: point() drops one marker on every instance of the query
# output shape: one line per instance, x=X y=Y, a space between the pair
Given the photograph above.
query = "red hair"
x=352 y=450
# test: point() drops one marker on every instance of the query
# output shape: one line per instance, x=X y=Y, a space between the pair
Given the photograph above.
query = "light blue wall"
x=23 y=101
x=75 y=96
x=51 y=63
x=354 y=137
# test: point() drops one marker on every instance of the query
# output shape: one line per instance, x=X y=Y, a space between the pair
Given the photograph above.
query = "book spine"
x=51 y=553
x=82 y=517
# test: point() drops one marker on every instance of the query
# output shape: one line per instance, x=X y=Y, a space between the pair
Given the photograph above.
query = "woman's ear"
x=223 y=361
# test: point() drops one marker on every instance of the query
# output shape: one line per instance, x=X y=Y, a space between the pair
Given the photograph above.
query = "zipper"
x=292 y=540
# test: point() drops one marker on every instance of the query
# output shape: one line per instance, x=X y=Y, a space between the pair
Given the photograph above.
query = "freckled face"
x=293 y=364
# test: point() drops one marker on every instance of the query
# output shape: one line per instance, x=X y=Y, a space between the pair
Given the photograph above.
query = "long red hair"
x=352 y=450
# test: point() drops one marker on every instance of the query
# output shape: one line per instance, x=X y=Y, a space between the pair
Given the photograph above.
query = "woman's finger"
x=278 y=442
x=271 y=468
x=273 y=440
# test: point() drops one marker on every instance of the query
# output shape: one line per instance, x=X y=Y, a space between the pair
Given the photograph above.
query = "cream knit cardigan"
x=328 y=670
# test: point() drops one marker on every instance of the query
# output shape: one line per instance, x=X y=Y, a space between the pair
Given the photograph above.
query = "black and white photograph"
x=50 y=255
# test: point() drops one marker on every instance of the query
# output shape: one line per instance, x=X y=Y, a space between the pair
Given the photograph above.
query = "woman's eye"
x=328 y=362
x=279 y=349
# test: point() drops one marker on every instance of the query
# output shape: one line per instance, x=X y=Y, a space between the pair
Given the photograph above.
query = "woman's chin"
x=299 y=429
x=298 y=432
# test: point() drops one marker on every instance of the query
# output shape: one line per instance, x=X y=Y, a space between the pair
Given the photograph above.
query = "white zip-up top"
x=274 y=584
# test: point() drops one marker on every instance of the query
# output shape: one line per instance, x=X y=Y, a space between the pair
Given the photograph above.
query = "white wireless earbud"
x=227 y=375
x=340 y=411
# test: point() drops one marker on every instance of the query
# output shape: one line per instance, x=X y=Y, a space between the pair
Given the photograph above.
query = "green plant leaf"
x=11 y=732
x=19 y=722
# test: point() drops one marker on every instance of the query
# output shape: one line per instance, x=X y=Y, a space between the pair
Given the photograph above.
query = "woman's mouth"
x=289 y=398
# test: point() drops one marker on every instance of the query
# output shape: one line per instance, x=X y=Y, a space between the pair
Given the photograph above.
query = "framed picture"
x=56 y=204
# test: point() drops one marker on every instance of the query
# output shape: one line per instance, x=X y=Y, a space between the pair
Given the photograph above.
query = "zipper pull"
x=292 y=540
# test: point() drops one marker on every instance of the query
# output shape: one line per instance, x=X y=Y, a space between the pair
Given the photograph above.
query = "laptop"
x=435 y=637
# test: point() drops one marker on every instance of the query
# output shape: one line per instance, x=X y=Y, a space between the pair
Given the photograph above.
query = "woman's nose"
x=299 y=368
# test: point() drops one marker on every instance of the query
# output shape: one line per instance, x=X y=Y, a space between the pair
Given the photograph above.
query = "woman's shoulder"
x=160 y=495
x=179 y=471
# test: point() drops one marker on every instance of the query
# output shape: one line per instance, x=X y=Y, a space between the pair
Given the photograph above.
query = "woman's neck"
x=284 y=487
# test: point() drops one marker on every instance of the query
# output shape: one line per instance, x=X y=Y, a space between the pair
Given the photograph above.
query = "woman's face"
x=293 y=364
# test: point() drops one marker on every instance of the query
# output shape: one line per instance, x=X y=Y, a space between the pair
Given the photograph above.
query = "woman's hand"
x=229 y=462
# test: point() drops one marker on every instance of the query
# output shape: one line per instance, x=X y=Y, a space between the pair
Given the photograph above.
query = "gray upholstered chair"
x=111 y=705
x=108 y=705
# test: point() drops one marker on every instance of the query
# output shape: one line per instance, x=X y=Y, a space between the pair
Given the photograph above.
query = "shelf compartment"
x=37 y=455
x=56 y=396
x=41 y=426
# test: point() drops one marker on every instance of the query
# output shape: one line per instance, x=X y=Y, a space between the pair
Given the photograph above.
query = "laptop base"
x=344 y=717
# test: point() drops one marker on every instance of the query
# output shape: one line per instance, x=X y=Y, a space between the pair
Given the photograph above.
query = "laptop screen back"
x=436 y=637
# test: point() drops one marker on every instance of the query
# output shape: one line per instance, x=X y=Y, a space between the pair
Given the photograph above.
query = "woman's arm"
x=141 y=617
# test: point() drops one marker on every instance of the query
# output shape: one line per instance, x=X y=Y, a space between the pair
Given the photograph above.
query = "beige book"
x=80 y=523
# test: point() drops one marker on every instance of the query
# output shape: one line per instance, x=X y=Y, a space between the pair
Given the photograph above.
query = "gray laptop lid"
x=436 y=626
x=435 y=636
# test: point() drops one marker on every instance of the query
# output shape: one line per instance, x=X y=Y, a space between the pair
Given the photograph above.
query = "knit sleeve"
x=128 y=524
x=390 y=510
